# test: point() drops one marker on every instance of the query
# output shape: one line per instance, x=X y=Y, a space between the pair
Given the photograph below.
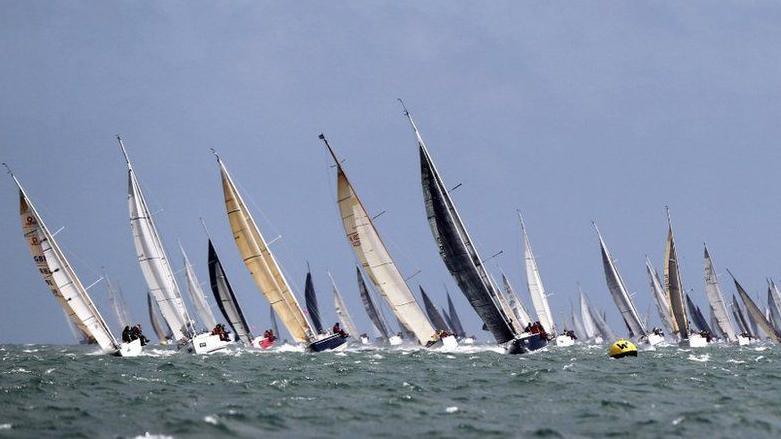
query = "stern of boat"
x=328 y=343
x=130 y=349
x=206 y=343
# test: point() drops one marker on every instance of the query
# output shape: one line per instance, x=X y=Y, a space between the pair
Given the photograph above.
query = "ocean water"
x=719 y=391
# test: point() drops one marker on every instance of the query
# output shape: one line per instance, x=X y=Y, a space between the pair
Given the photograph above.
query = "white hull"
x=597 y=340
x=395 y=340
x=449 y=342
x=206 y=343
x=564 y=341
x=654 y=339
x=467 y=340
x=130 y=349
x=744 y=341
x=694 y=341
x=365 y=340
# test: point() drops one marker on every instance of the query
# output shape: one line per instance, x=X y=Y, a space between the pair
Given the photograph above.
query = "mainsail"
x=774 y=304
x=673 y=284
x=151 y=256
x=158 y=324
x=377 y=262
x=589 y=325
x=456 y=247
x=273 y=317
x=59 y=275
x=619 y=291
x=310 y=297
x=261 y=263
x=754 y=311
x=697 y=317
x=117 y=302
x=660 y=298
x=341 y=310
x=515 y=302
x=226 y=300
x=534 y=284
x=716 y=299
x=371 y=310
x=740 y=319
x=454 y=319
x=433 y=314
x=197 y=297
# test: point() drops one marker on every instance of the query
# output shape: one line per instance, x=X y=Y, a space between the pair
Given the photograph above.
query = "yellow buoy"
x=623 y=348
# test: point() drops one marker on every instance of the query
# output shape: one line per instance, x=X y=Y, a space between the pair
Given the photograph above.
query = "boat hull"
x=395 y=340
x=467 y=340
x=365 y=340
x=655 y=339
x=130 y=349
x=743 y=340
x=694 y=341
x=206 y=343
x=328 y=343
x=526 y=343
x=564 y=341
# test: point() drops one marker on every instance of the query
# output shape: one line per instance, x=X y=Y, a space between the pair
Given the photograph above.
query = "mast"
x=153 y=260
x=456 y=247
x=261 y=263
x=371 y=251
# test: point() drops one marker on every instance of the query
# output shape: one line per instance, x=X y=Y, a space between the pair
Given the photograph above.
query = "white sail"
x=506 y=305
x=117 y=301
x=261 y=263
x=375 y=259
x=515 y=303
x=151 y=256
x=534 y=284
x=716 y=299
x=341 y=310
x=60 y=276
x=589 y=327
x=660 y=298
x=196 y=294
x=617 y=287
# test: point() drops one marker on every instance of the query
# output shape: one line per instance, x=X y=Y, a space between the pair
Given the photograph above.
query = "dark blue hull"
x=328 y=343
x=526 y=343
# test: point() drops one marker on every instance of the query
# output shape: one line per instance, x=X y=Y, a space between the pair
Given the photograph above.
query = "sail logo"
x=355 y=240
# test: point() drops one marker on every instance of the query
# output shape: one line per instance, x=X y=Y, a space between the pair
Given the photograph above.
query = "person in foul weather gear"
x=337 y=329
x=137 y=334
x=126 y=338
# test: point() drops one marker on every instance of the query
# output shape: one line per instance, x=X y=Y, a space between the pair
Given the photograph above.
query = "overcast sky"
x=571 y=112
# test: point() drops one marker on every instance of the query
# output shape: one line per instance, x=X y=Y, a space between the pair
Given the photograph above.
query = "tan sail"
x=377 y=261
x=261 y=262
x=673 y=285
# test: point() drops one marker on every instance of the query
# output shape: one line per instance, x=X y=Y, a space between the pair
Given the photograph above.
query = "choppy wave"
x=469 y=391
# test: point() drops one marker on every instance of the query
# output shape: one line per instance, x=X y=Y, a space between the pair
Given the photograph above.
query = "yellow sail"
x=261 y=262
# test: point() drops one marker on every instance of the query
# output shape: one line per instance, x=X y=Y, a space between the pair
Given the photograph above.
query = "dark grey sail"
x=226 y=300
x=696 y=314
x=157 y=321
x=457 y=250
x=458 y=328
x=740 y=319
x=311 y=303
x=431 y=311
x=754 y=311
x=448 y=321
x=371 y=309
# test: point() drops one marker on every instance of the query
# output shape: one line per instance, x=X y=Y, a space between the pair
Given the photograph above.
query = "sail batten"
x=261 y=263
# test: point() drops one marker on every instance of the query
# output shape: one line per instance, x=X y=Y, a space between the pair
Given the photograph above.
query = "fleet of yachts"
x=500 y=308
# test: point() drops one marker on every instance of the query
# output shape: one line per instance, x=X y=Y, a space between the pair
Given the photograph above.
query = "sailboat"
x=197 y=298
x=65 y=285
x=537 y=291
x=756 y=313
x=463 y=261
x=433 y=314
x=378 y=264
x=660 y=297
x=621 y=297
x=745 y=336
x=456 y=321
x=163 y=332
x=229 y=306
x=673 y=284
x=344 y=315
x=379 y=323
x=774 y=303
x=157 y=271
x=698 y=318
x=716 y=299
x=594 y=326
x=267 y=273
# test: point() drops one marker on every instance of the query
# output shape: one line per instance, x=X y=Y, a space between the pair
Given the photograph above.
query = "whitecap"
x=677 y=421
x=700 y=358
x=148 y=435
x=210 y=419
x=451 y=409
x=5 y=426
